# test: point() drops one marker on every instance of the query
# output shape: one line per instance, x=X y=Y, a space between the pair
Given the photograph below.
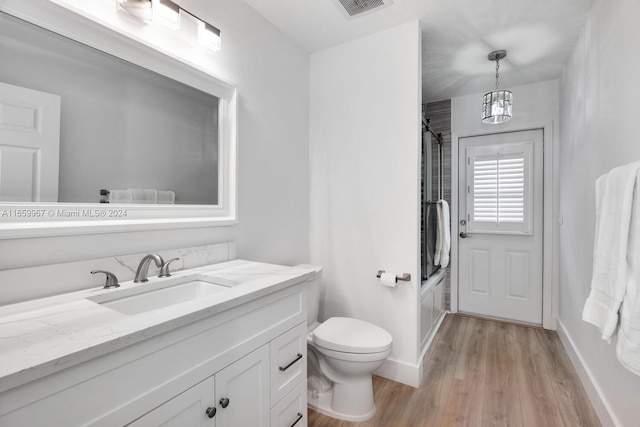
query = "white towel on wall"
x=614 y=199
x=443 y=236
x=628 y=345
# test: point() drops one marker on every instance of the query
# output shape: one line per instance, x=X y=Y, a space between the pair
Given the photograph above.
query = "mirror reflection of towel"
x=119 y=196
x=144 y=195
x=166 y=197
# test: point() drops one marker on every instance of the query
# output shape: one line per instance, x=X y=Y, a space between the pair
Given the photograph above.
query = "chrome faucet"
x=143 y=267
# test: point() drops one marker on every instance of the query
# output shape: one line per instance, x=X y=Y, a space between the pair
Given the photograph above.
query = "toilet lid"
x=351 y=336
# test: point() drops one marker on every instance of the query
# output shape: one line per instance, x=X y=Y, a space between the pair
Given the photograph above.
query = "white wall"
x=365 y=154
x=273 y=79
x=600 y=95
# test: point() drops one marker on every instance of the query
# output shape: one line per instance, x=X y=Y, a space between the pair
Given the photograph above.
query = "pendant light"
x=496 y=105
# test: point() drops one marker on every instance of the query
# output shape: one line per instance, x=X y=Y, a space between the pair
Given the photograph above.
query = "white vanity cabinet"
x=238 y=395
x=189 y=408
x=245 y=366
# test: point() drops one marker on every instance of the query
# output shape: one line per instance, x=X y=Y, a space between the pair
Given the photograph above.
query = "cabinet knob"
x=224 y=402
x=211 y=411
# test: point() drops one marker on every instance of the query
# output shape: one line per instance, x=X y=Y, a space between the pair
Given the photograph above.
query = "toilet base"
x=322 y=402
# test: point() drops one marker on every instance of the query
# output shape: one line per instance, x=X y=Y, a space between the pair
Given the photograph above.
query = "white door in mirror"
x=29 y=144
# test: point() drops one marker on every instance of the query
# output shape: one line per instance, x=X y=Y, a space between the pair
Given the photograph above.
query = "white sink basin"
x=161 y=294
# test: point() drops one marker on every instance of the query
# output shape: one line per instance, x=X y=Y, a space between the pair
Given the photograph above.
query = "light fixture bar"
x=167 y=12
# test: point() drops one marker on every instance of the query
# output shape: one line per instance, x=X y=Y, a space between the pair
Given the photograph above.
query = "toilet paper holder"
x=405 y=277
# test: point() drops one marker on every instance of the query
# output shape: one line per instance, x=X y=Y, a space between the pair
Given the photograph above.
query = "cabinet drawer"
x=292 y=410
x=288 y=354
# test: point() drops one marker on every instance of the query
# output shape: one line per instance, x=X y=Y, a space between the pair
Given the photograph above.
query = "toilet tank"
x=313 y=301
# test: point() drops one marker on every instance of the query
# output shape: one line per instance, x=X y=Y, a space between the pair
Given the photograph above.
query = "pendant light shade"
x=497 y=105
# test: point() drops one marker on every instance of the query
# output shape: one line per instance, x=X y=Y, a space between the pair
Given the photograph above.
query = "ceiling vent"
x=353 y=8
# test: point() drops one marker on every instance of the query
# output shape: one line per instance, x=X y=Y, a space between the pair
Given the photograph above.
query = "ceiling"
x=457 y=35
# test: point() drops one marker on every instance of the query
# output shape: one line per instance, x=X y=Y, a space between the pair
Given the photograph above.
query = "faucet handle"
x=112 y=280
x=164 y=269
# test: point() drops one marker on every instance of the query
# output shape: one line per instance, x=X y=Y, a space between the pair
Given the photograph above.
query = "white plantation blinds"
x=499 y=190
x=498 y=199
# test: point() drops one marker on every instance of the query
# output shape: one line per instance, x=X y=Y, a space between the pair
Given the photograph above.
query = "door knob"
x=224 y=402
x=464 y=235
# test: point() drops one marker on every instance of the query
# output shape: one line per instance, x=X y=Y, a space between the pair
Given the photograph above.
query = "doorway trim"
x=550 y=265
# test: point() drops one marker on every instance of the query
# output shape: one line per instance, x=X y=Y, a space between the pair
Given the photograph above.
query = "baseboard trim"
x=402 y=372
x=407 y=373
x=596 y=396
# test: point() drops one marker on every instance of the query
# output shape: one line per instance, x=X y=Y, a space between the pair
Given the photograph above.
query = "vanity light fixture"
x=497 y=105
x=141 y=10
x=208 y=35
x=168 y=13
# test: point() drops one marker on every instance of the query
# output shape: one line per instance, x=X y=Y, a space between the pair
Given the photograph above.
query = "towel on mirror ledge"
x=166 y=197
x=144 y=195
x=614 y=200
x=443 y=236
x=119 y=196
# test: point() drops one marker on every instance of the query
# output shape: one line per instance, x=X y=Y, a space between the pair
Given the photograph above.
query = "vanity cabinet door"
x=190 y=408
x=242 y=391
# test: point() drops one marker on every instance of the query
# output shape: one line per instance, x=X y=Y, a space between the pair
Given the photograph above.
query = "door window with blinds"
x=499 y=188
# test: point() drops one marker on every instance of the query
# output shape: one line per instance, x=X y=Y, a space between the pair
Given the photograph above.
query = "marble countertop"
x=41 y=337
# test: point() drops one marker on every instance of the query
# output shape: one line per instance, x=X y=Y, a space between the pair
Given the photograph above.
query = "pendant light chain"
x=497 y=72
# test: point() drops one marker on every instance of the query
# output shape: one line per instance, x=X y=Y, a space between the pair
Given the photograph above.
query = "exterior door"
x=29 y=145
x=501 y=211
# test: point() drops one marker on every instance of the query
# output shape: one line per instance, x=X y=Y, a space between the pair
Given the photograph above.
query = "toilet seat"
x=347 y=335
x=353 y=357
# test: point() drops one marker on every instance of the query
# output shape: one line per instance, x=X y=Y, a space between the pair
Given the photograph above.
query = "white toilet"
x=342 y=354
